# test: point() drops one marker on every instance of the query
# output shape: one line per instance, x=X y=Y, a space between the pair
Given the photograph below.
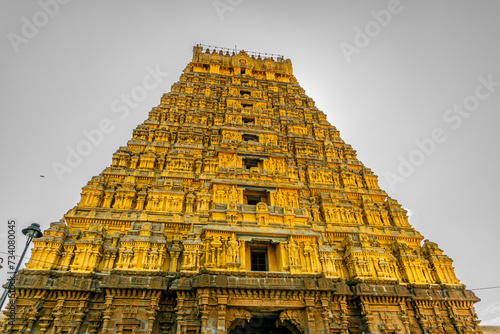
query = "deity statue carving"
x=233 y=194
x=293 y=252
x=232 y=250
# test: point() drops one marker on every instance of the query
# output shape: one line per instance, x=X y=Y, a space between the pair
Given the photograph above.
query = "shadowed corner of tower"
x=236 y=206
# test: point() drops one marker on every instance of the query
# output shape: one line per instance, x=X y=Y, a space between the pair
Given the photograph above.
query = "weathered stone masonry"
x=236 y=207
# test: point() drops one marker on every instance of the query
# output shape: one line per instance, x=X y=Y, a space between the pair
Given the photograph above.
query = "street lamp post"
x=31 y=232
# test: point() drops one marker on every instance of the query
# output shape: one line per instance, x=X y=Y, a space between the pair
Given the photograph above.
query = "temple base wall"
x=218 y=303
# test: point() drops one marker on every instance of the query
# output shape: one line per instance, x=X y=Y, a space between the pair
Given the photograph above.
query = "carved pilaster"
x=107 y=313
x=311 y=315
x=221 y=313
x=153 y=310
x=179 y=309
x=203 y=296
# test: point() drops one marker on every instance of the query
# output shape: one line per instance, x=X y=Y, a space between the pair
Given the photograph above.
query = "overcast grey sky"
x=413 y=86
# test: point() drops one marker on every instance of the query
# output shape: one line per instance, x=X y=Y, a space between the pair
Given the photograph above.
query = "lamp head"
x=33 y=231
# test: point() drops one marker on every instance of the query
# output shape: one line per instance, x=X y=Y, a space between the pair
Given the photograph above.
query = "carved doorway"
x=263 y=323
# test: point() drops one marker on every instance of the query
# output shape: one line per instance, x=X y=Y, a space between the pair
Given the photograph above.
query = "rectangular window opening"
x=258 y=259
x=247 y=137
x=242 y=71
x=248 y=120
x=244 y=92
x=247 y=105
x=251 y=197
x=249 y=163
x=253 y=200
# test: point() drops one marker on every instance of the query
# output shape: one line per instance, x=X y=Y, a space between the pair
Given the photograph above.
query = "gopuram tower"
x=237 y=208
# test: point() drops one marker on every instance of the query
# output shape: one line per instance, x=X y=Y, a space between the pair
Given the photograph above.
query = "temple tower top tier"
x=216 y=60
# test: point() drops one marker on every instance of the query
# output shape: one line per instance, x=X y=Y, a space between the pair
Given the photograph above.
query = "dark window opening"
x=249 y=163
x=264 y=324
x=247 y=105
x=248 y=120
x=244 y=82
x=258 y=259
x=253 y=200
x=242 y=71
x=251 y=197
x=247 y=137
x=244 y=92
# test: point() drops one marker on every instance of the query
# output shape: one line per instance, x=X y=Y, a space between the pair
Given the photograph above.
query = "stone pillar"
x=204 y=314
x=221 y=314
x=153 y=311
x=203 y=296
x=367 y=317
x=175 y=251
x=404 y=317
x=406 y=324
x=32 y=316
x=344 y=319
x=326 y=320
x=311 y=315
x=369 y=323
x=107 y=314
x=180 y=311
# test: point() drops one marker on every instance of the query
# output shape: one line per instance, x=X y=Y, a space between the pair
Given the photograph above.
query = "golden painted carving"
x=229 y=160
x=236 y=166
x=231 y=135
